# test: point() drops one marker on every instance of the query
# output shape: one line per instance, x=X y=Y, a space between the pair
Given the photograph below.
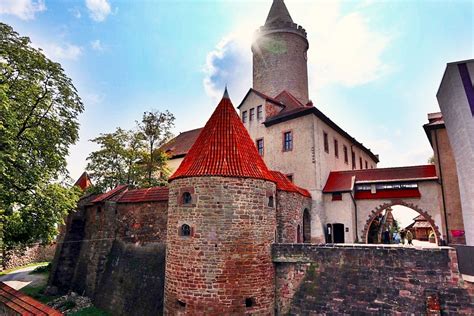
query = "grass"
x=90 y=311
x=34 y=264
x=37 y=292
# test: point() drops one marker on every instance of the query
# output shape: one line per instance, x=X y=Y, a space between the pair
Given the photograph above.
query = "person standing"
x=403 y=234
x=409 y=238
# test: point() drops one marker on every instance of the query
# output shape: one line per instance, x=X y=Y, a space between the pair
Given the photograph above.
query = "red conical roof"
x=223 y=148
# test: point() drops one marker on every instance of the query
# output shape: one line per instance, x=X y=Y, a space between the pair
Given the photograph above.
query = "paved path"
x=20 y=278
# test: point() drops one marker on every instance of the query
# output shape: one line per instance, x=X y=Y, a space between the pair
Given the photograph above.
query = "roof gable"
x=284 y=184
x=223 y=148
x=181 y=144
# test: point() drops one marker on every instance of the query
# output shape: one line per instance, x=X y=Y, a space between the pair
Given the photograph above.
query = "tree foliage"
x=38 y=122
x=132 y=157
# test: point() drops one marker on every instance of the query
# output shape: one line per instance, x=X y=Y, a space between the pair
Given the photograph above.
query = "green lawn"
x=34 y=264
x=36 y=292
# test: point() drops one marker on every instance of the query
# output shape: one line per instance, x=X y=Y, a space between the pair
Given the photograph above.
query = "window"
x=249 y=302
x=336 y=148
x=270 y=201
x=252 y=114
x=244 y=117
x=290 y=177
x=353 y=160
x=287 y=141
x=326 y=142
x=346 y=157
x=337 y=196
x=360 y=162
x=366 y=165
x=260 y=146
x=185 y=230
x=187 y=198
x=259 y=112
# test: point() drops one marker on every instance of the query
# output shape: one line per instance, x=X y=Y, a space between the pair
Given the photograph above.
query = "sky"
x=374 y=66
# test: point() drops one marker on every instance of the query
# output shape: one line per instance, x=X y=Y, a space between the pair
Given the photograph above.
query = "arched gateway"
x=379 y=209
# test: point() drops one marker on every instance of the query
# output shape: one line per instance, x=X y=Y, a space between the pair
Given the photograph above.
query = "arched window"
x=187 y=198
x=270 y=201
x=185 y=230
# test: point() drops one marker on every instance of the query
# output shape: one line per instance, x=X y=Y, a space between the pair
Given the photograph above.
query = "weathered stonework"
x=370 y=280
x=290 y=210
x=224 y=267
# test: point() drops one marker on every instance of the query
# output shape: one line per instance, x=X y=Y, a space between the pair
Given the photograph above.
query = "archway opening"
x=401 y=224
x=306 y=226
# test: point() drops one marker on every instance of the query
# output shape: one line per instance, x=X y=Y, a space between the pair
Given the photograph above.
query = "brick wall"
x=224 y=265
x=369 y=279
x=290 y=208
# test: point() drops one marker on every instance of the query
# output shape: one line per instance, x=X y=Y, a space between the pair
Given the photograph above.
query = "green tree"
x=38 y=122
x=156 y=129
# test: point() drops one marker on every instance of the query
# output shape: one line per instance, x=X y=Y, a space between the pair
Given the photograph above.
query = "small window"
x=185 y=230
x=336 y=148
x=366 y=165
x=360 y=162
x=187 y=198
x=337 y=196
x=244 y=116
x=326 y=142
x=260 y=146
x=346 y=156
x=270 y=201
x=287 y=141
x=259 y=112
x=181 y=303
x=249 y=302
x=252 y=114
x=353 y=160
x=99 y=210
x=290 y=177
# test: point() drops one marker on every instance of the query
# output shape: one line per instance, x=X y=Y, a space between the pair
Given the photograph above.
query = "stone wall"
x=369 y=279
x=23 y=256
x=223 y=266
x=290 y=210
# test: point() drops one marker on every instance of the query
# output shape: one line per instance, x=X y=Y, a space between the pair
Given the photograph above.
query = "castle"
x=240 y=227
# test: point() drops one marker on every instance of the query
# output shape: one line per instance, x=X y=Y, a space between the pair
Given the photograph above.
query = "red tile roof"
x=84 y=181
x=223 y=148
x=110 y=194
x=154 y=194
x=181 y=144
x=341 y=181
x=22 y=304
x=284 y=184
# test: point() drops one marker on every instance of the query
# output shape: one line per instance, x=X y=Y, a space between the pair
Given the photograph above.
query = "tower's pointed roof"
x=223 y=148
x=278 y=13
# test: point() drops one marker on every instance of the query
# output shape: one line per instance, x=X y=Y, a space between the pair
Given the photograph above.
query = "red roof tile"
x=284 y=184
x=109 y=194
x=340 y=181
x=181 y=144
x=23 y=304
x=84 y=181
x=154 y=194
x=223 y=148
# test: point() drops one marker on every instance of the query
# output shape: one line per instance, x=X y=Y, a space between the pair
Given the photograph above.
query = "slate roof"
x=284 y=184
x=278 y=13
x=341 y=181
x=153 y=194
x=223 y=148
x=181 y=144
x=23 y=304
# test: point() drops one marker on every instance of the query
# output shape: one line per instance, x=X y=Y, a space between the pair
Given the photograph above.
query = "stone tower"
x=279 y=55
x=221 y=224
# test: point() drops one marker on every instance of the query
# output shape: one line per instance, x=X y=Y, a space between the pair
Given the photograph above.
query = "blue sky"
x=374 y=66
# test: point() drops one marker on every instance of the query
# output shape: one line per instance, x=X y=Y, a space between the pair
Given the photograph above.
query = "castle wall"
x=280 y=63
x=225 y=263
x=289 y=212
x=312 y=279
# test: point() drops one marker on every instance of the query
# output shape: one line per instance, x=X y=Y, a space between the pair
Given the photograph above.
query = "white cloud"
x=59 y=52
x=76 y=12
x=24 y=9
x=344 y=49
x=97 y=45
x=98 y=9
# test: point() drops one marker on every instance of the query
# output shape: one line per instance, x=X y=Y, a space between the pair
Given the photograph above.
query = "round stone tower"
x=279 y=55
x=221 y=224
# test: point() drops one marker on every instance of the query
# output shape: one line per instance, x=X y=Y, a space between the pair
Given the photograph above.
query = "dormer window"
x=187 y=198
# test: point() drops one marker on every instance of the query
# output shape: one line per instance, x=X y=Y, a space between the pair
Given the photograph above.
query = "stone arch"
x=306 y=226
x=379 y=209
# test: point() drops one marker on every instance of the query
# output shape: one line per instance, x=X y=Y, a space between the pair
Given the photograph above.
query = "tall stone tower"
x=279 y=55
x=221 y=224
